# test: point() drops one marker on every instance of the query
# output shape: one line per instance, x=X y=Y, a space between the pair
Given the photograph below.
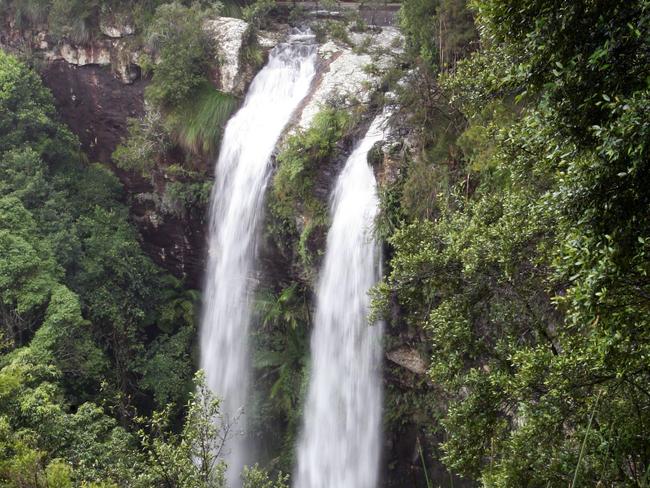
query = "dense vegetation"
x=527 y=266
x=185 y=114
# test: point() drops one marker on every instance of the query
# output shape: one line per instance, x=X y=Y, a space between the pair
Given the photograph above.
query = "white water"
x=341 y=438
x=242 y=173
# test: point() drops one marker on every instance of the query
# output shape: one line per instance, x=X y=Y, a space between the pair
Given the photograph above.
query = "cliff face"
x=99 y=86
x=96 y=105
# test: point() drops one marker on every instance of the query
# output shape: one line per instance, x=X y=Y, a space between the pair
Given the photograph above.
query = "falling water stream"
x=242 y=173
x=341 y=438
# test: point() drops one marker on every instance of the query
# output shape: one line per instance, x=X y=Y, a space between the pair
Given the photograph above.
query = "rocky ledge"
x=352 y=69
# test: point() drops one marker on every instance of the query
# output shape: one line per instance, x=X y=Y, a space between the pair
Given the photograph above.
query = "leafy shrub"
x=185 y=51
x=304 y=151
x=298 y=164
x=528 y=279
x=182 y=195
x=146 y=140
x=78 y=299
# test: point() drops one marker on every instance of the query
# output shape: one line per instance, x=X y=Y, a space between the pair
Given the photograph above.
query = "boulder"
x=408 y=358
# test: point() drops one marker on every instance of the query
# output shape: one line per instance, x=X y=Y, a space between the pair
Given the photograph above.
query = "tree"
x=192 y=459
x=529 y=279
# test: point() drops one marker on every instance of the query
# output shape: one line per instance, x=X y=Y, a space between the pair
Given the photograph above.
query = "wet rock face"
x=94 y=104
x=174 y=243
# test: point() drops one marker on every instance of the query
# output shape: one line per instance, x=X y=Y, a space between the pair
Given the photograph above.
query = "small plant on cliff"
x=256 y=14
x=147 y=138
x=26 y=12
x=197 y=123
x=305 y=151
x=76 y=20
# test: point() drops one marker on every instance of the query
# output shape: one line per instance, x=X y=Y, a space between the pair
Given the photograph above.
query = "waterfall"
x=341 y=438
x=241 y=176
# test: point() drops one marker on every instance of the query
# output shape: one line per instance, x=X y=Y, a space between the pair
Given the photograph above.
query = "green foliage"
x=184 y=114
x=27 y=273
x=28 y=12
x=338 y=30
x=147 y=139
x=529 y=276
x=305 y=150
x=280 y=358
x=437 y=158
x=183 y=195
x=37 y=433
x=184 y=51
x=76 y=20
x=190 y=459
x=575 y=54
x=167 y=367
x=64 y=339
x=256 y=14
x=298 y=166
x=78 y=300
x=335 y=29
x=438 y=32
x=27 y=114
x=417 y=22
x=257 y=478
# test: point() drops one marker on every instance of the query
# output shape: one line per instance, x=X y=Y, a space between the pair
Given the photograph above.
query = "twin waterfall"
x=340 y=442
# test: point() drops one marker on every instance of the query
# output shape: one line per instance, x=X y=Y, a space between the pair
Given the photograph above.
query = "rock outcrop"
x=229 y=35
x=118 y=49
x=116 y=26
x=352 y=72
x=408 y=358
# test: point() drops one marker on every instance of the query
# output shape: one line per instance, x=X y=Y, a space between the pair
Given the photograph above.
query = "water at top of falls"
x=241 y=176
x=341 y=438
